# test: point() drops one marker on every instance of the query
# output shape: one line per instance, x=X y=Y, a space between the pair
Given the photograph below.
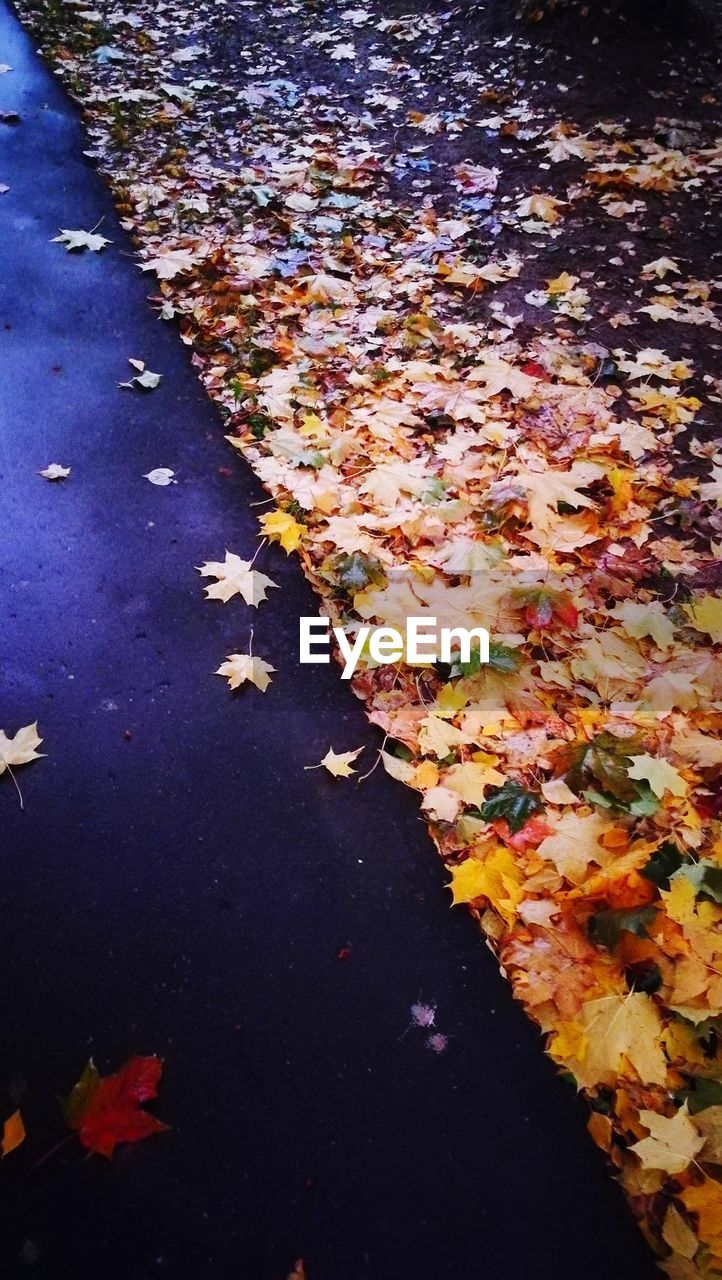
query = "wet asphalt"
x=177 y=884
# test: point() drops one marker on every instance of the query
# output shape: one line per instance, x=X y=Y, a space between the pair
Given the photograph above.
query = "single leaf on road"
x=81 y=240
x=105 y=1110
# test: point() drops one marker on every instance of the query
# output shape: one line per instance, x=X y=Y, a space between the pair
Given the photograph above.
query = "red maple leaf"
x=105 y=1110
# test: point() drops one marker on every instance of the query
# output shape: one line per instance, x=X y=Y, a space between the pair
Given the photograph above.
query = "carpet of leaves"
x=462 y=332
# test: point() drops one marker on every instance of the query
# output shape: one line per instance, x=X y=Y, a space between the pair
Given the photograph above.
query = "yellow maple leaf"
x=706 y=1201
x=561 y=284
x=469 y=780
x=678 y=1235
x=338 y=764
x=659 y=773
x=619 y=1029
x=240 y=667
x=574 y=844
x=705 y=614
x=672 y=1144
x=568 y=1043
x=679 y=900
x=281 y=527
x=497 y=878
x=235 y=577
x=540 y=206
x=20 y=749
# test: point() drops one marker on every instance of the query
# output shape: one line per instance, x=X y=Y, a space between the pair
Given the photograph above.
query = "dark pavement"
x=185 y=891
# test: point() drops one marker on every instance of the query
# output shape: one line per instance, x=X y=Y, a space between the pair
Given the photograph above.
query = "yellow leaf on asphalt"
x=235 y=577
x=338 y=764
x=240 y=667
x=20 y=749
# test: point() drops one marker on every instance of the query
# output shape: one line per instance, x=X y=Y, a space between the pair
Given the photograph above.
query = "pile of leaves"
x=452 y=420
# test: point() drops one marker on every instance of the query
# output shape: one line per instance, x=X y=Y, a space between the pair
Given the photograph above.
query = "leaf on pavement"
x=81 y=240
x=235 y=577
x=144 y=378
x=241 y=667
x=338 y=765
x=13 y=1133
x=106 y=1110
x=54 y=471
x=20 y=749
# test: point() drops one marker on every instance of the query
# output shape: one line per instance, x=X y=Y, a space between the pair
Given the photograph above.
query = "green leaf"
x=76 y=1103
x=663 y=863
x=706 y=1093
x=357 y=571
x=607 y=927
x=502 y=658
x=604 y=760
x=706 y=876
x=512 y=802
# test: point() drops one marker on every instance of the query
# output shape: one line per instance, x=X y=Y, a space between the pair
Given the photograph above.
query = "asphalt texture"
x=177 y=884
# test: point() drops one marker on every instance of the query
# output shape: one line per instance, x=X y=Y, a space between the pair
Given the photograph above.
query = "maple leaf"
x=235 y=577
x=660 y=267
x=81 y=240
x=105 y=1110
x=497 y=878
x=640 y=620
x=619 y=1028
x=659 y=773
x=240 y=667
x=339 y=765
x=13 y=1134
x=512 y=802
x=540 y=206
x=20 y=749
x=499 y=375
x=172 y=262
x=698 y=748
x=680 y=1237
x=281 y=527
x=705 y=614
x=574 y=844
x=54 y=471
x=545 y=489
x=672 y=1144
x=711 y=491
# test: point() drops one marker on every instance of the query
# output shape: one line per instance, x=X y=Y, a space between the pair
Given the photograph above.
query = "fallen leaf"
x=659 y=773
x=20 y=749
x=143 y=378
x=105 y=1110
x=338 y=765
x=161 y=476
x=81 y=240
x=240 y=667
x=672 y=1144
x=236 y=577
x=55 y=472
x=281 y=527
x=172 y=262
x=13 y=1133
